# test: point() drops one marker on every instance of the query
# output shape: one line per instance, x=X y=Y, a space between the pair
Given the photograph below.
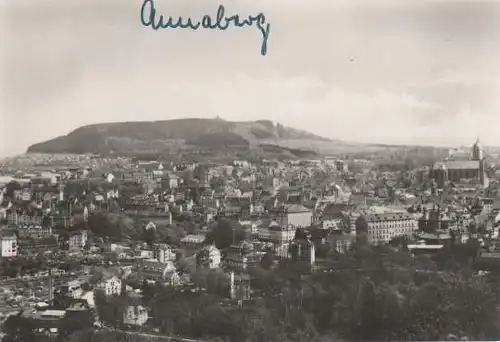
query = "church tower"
x=477 y=154
x=477 y=151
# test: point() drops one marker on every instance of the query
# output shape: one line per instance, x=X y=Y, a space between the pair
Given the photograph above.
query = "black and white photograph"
x=249 y=170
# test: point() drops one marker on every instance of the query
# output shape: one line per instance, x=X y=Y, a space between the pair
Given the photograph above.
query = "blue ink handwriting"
x=221 y=22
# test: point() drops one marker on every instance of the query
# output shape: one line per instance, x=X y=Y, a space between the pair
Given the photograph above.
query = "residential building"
x=172 y=278
x=20 y=219
x=9 y=246
x=78 y=240
x=135 y=315
x=153 y=270
x=240 y=257
x=111 y=285
x=193 y=241
x=209 y=257
x=280 y=236
x=35 y=231
x=341 y=242
x=171 y=181
x=73 y=288
x=239 y=286
x=33 y=246
x=163 y=253
x=382 y=228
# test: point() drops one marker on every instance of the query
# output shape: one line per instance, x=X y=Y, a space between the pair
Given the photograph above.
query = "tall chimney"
x=232 y=288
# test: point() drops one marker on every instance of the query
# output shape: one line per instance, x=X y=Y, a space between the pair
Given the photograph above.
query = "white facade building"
x=111 y=286
x=9 y=246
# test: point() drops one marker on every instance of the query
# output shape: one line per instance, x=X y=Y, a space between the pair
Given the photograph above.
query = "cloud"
x=305 y=102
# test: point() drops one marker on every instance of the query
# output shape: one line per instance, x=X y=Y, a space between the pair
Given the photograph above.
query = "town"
x=331 y=249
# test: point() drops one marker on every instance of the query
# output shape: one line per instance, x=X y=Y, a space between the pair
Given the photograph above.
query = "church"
x=460 y=170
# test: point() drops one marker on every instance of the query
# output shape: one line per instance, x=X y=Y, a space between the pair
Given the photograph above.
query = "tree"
x=150 y=235
x=170 y=234
x=300 y=234
x=112 y=225
x=267 y=261
x=225 y=233
x=73 y=322
x=11 y=187
x=18 y=329
x=110 y=310
x=71 y=265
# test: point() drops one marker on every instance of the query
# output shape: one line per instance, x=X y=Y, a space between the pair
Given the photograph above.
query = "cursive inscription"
x=220 y=22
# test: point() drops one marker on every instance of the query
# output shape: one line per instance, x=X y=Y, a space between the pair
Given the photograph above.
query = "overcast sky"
x=402 y=71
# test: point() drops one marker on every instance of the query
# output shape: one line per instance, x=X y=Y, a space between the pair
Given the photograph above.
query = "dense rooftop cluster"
x=331 y=248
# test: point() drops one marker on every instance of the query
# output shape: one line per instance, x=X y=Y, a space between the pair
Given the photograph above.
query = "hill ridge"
x=189 y=135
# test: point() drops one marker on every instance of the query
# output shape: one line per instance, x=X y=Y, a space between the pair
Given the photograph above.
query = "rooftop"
x=388 y=217
x=296 y=208
x=457 y=165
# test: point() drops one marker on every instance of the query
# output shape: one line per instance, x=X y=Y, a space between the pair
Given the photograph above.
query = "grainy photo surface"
x=249 y=170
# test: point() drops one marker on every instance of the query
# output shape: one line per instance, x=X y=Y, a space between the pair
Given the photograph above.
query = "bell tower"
x=477 y=151
x=477 y=154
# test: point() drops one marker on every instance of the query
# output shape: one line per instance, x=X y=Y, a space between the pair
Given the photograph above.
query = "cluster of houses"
x=329 y=205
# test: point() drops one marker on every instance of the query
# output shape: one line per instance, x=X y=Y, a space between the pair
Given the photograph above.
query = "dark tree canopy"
x=11 y=187
x=225 y=233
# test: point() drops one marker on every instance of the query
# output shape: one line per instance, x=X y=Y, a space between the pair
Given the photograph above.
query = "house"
x=73 y=289
x=332 y=224
x=22 y=195
x=239 y=286
x=78 y=240
x=111 y=285
x=9 y=246
x=171 y=181
x=172 y=278
x=163 y=253
x=240 y=257
x=209 y=256
x=135 y=315
x=193 y=241
x=341 y=242
x=113 y=193
x=153 y=270
x=280 y=236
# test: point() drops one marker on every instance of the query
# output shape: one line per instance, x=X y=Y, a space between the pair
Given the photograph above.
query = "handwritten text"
x=220 y=22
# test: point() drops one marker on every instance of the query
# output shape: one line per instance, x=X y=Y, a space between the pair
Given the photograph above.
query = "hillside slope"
x=175 y=136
